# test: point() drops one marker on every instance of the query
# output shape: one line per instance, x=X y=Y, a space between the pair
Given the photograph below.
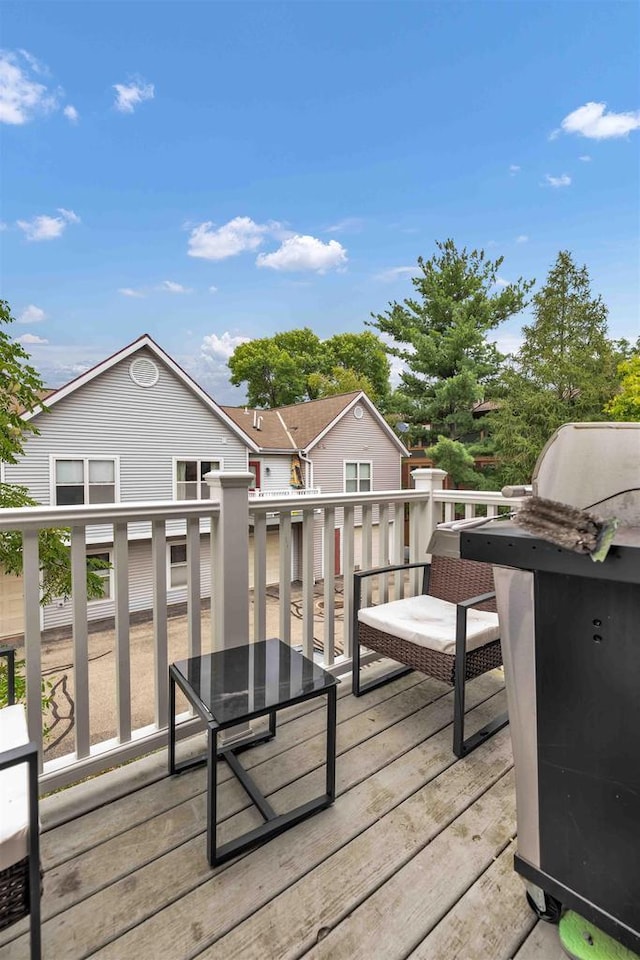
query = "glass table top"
x=235 y=683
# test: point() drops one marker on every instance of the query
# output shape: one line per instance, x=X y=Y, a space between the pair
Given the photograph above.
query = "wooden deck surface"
x=413 y=860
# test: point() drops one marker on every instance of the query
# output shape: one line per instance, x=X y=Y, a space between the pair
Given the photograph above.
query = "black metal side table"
x=237 y=685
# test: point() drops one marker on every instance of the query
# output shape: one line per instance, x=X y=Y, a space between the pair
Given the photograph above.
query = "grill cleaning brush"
x=567 y=526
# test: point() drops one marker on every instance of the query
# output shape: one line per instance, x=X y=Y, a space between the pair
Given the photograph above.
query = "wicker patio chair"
x=449 y=632
x=20 y=877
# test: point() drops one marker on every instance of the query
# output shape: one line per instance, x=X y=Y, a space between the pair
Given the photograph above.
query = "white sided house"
x=335 y=445
x=135 y=427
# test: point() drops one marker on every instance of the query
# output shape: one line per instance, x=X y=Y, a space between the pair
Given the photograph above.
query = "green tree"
x=564 y=371
x=364 y=356
x=296 y=365
x=453 y=456
x=339 y=380
x=441 y=335
x=22 y=390
x=625 y=406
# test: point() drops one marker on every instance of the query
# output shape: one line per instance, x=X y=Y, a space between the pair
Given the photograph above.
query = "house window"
x=189 y=482
x=357 y=477
x=106 y=576
x=85 y=481
x=178 y=564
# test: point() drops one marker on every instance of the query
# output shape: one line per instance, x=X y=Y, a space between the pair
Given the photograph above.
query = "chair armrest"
x=473 y=601
x=10 y=654
x=16 y=755
x=360 y=574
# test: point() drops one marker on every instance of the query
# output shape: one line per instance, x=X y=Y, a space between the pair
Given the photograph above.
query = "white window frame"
x=92 y=552
x=198 y=460
x=175 y=543
x=358 y=464
x=53 y=486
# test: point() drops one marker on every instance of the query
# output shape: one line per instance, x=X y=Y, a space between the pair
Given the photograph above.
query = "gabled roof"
x=300 y=426
x=146 y=342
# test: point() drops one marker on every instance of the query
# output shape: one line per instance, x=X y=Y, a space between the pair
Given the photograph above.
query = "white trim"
x=144 y=341
x=187 y=459
x=53 y=458
x=358 y=464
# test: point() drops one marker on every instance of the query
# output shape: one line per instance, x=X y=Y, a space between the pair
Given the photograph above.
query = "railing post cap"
x=428 y=476
x=229 y=479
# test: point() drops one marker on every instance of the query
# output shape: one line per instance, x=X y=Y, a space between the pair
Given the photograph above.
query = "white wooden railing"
x=314 y=611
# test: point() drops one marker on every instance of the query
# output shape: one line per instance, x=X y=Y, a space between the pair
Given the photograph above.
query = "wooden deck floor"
x=413 y=860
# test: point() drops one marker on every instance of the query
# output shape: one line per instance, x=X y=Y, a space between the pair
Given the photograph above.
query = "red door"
x=254 y=468
x=336 y=551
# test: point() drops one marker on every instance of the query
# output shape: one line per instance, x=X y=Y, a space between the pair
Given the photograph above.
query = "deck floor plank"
x=490 y=920
x=130 y=879
x=543 y=943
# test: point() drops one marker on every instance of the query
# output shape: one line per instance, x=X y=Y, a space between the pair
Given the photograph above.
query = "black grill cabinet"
x=570 y=630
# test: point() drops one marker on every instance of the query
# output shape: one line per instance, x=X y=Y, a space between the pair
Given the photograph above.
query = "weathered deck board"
x=542 y=943
x=130 y=880
x=490 y=920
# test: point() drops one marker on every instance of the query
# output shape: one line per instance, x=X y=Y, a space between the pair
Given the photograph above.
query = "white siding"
x=140 y=587
x=145 y=428
x=352 y=439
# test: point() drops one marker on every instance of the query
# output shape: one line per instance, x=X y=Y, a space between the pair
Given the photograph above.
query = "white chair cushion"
x=430 y=622
x=14 y=789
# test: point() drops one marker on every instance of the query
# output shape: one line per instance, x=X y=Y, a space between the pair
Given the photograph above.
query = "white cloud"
x=236 y=236
x=305 y=253
x=501 y=282
x=21 y=96
x=592 y=121
x=44 y=227
x=32 y=314
x=130 y=292
x=71 y=113
x=3 y=225
x=213 y=289
x=513 y=169
x=348 y=224
x=221 y=347
x=395 y=273
x=128 y=96
x=562 y=181
x=585 y=158
x=170 y=286
x=31 y=338
x=522 y=238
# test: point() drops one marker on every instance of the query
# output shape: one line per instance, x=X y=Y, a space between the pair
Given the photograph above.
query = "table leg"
x=212 y=795
x=331 y=743
x=172 y=725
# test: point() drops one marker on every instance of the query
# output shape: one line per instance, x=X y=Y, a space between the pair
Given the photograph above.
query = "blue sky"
x=206 y=172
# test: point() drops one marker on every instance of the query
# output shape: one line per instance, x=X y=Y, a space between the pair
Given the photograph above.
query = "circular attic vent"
x=358 y=412
x=144 y=372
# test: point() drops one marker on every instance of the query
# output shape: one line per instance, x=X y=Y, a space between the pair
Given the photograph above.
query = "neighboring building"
x=136 y=427
x=339 y=444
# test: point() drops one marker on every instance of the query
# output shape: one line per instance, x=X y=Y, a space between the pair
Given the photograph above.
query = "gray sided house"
x=339 y=444
x=135 y=427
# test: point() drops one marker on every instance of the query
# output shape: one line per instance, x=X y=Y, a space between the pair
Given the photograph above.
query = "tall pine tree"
x=441 y=335
x=564 y=371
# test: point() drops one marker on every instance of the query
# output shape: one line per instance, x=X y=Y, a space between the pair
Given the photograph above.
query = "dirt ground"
x=58 y=671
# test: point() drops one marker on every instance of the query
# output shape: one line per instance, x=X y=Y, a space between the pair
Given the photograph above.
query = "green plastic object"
x=581 y=940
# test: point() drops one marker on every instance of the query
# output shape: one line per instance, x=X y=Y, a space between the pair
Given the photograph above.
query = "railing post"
x=428 y=479
x=230 y=561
